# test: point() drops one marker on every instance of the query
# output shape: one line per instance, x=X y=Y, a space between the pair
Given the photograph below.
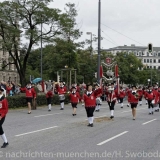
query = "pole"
x=91 y=46
x=75 y=74
x=99 y=41
x=41 y=46
x=70 y=78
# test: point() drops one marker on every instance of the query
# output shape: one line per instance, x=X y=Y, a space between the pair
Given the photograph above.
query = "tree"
x=20 y=29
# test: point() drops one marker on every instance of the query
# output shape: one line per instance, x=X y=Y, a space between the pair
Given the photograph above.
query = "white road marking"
x=35 y=131
x=47 y=115
x=149 y=121
x=99 y=144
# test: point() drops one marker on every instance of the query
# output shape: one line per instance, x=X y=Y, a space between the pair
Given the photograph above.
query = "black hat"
x=73 y=87
x=1 y=89
x=112 y=83
x=134 y=86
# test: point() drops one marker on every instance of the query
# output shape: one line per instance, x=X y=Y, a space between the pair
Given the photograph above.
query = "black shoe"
x=49 y=110
x=111 y=117
x=73 y=114
x=5 y=145
x=127 y=105
x=62 y=109
x=91 y=125
x=157 y=110
x=96 y=110
x=121 y=107
x=134 y=119
x=29 y=112
x=150 y=113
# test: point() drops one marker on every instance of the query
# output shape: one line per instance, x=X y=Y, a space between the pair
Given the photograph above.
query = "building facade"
x=149 y=60
x=8 y=73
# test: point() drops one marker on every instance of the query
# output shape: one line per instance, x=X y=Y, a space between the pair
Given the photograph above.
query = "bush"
x=18 y=101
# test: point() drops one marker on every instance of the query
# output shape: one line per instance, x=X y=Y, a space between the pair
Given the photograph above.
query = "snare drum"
x=61 y=97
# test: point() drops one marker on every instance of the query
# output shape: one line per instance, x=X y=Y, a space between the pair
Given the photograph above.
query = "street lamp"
x=90 y=33
x=99 y=41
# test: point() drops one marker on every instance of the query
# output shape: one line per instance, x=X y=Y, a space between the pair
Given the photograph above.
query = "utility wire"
x=123 y=34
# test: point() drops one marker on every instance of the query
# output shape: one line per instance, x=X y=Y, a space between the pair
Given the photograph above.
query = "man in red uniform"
x=61 y=89
x=133 y=98
x=121 y=96
x=140 y=92
x=156 y=99
x=98 y=99
x=89 y=99
x=30 y=94
x=150 y=97
x=3 y=112
x=49 y=96
x=111 y=99
x=74 y=99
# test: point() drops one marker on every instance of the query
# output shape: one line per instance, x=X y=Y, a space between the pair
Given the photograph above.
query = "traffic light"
x=58 y=78
x=150 y=48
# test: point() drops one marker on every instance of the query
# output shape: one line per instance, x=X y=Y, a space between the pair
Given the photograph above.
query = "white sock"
x=92 y=118
x=96 y=107
x=121 y=104
x=4 y=137
x=150 y=110
x=49 y=106
x=146 y=102
x=140 y=102
x=99 y=107
x=112 y=112
x=62 y=105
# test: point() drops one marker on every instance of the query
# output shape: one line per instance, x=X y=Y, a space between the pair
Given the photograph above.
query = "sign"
x=108 y=60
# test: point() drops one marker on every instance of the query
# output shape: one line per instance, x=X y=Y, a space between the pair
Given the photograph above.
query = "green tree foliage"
x=20 y=28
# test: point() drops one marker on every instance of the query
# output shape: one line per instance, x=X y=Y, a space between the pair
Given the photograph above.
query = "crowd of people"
x=89 y=95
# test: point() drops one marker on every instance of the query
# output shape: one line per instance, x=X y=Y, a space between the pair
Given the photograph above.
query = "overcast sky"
x=137 y=19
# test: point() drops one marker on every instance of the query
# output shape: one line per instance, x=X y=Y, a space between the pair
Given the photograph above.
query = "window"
x=158 y=54
x=159 y=61
x=147 y=66
x=154 y=67
x=140 y=53
x=158 y=67
x=154 y=61
x=150 y=66
x=144 y=60
x=137 y=54
x=147 y=60
x=150 y=60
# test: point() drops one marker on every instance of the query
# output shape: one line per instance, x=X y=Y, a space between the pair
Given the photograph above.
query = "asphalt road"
x=58 y=135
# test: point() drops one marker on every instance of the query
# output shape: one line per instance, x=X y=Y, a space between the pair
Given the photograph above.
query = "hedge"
x=18 y=101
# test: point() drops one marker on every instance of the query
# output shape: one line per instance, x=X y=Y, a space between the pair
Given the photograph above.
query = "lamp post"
x=41 y=47
x=99 y=41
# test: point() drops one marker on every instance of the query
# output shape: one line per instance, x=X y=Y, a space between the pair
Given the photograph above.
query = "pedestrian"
x=98 y=99
x=121 y=96
x=3 y=112
x=30 y=94
x=133 y=98
x=61 y=89
x=111 y=99
x=49 y=96
x=150 y=99
x=74 y=99
x=140 y=92
x=89 y=99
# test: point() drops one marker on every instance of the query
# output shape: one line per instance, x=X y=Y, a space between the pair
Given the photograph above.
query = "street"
x=59 y=135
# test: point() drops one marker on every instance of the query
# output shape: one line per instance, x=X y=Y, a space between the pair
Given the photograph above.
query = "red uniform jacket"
x=49 y=94
x=111 y=96
x=150 y=95
x=140 y=92
x=156 y=93
x=122 y=94
x=61 y=90
x=30 y=92
x=133 y=98
x=90 y=101
x=74 y=97
x=3 y=107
